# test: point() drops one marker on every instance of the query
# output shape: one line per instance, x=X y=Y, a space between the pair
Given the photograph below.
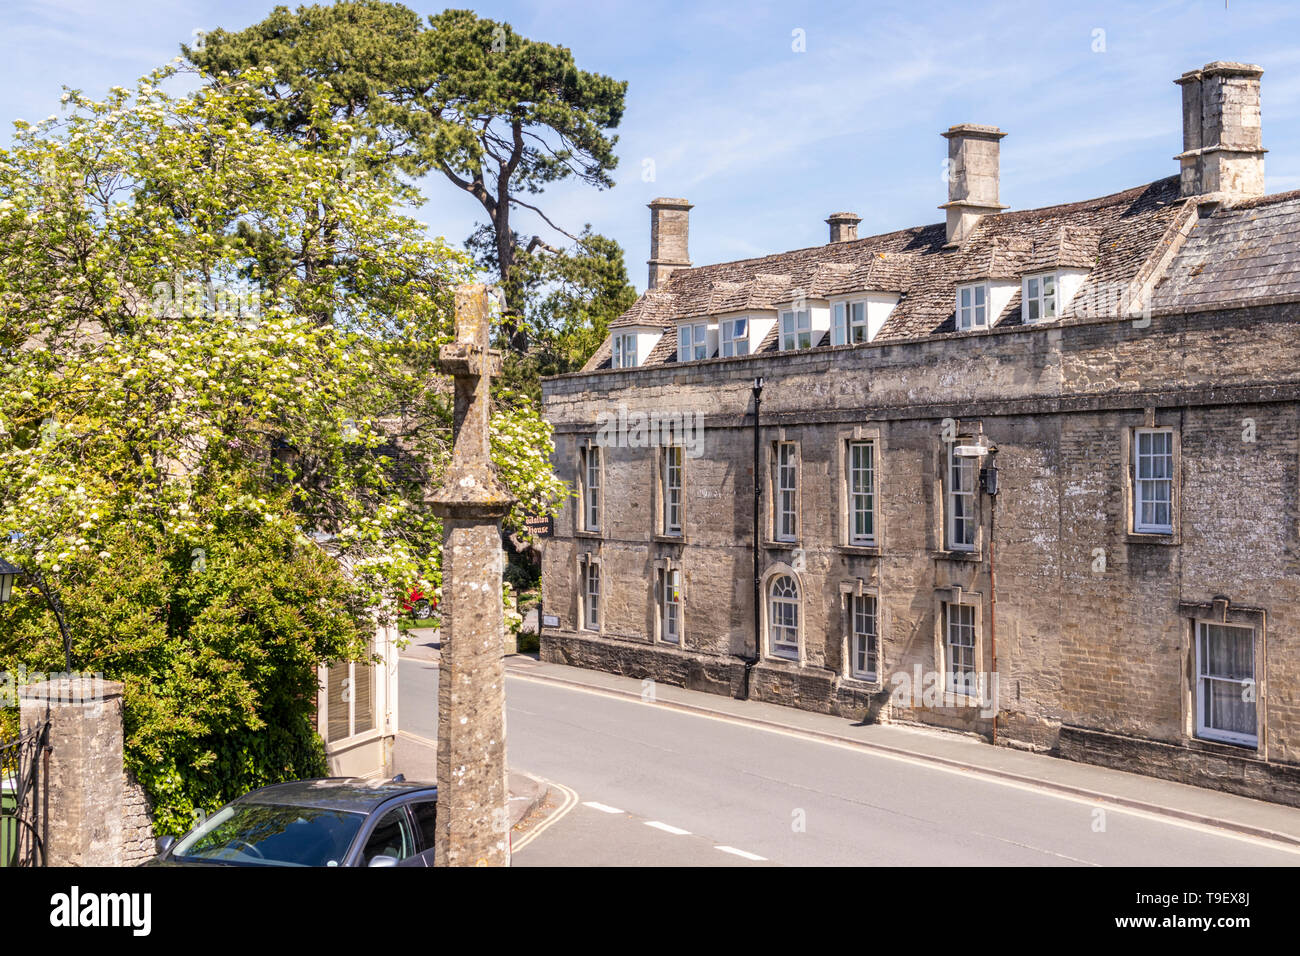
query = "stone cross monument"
x=473 y=827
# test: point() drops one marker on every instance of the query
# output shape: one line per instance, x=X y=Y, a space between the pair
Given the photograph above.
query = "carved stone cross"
x=473 y=820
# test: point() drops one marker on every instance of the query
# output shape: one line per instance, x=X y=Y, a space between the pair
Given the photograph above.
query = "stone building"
x=1032 y=475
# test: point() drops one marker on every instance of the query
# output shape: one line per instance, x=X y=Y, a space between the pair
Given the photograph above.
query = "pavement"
x=646 y=774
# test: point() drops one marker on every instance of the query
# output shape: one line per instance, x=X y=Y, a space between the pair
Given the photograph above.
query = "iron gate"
x=25 y=796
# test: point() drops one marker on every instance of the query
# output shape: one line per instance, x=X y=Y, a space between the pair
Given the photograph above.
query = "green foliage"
x=569 y=296
x=216 y=337
x=498 y=115
x=218 y=655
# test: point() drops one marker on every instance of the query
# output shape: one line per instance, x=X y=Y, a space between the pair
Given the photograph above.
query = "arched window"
x=783 y=618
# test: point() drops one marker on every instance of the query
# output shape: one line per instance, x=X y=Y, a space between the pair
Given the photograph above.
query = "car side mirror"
x=164 y=843
x=382 y=860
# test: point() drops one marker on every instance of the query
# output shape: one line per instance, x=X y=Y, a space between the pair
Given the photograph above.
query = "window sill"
x=583 y=533
x=860 y=550
x=355 y=740
x=1150 y=537
x=770 y=660
x=1226 y=747
x=862 y=682
x=781 y=545
x=973 y=556
x=668 y=538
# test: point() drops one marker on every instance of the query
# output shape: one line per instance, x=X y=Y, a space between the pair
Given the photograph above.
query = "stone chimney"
x=1222 y=157
x=844 y=226
x=972 y=177
x=670 y=221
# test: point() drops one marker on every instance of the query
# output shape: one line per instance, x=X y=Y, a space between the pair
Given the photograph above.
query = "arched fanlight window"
x=783 y=618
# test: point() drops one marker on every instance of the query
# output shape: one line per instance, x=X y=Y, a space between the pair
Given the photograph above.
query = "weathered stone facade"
x=1096 y=620
x=99 y=814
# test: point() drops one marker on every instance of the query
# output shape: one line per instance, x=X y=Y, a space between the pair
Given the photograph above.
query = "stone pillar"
x=473 y=818
x=87 y=788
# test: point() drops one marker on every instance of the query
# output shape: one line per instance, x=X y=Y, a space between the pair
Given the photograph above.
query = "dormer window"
x=1038 y=297
x=796 y=330
x=692 y=341
x=972 y=307
x=734 y=337
x=849 y=323
x=625 y=350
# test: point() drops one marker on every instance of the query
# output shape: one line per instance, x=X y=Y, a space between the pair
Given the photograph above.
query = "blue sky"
x=767 y=141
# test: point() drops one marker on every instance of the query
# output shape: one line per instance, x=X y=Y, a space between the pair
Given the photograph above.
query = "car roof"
x=357 y=794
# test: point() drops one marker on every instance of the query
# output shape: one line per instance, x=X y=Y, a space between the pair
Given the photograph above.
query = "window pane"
x=336 y=702
x=783 y=618
x=426 y=818
x=392 y=837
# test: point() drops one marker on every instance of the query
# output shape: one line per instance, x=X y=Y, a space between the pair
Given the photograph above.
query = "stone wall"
x=138 y=836
x=99 y=815
x=1099 y=648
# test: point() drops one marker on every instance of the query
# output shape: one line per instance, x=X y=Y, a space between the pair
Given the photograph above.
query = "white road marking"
x=744 y=853
x=602 y=807
x=676 y=831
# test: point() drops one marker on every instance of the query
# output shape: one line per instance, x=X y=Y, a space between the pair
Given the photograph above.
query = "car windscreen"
x=265 y=834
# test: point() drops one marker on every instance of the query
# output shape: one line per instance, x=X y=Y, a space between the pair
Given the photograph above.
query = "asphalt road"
x=657 y=786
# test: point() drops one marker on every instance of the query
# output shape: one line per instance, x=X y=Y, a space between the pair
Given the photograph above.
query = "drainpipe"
x=989 y=479
x=751 y=660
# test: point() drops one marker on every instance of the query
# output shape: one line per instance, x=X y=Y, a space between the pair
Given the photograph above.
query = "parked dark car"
x=337 y=821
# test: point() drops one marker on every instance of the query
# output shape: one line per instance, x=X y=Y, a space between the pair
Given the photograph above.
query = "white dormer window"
x=734 y=337
x=625 y=350
x=796 y=330
x=692 y=341
x=849 y=323
x=1038 y=297
x=972 y=307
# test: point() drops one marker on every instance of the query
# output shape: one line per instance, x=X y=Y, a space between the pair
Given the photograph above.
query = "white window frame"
x=849 y=323
x=784 y=611
x=861 y=490
x=672 y=484
x=692 y=341
x=785 y=501
x=1142 y=487
x=973 y=306
x=1035 y=296
x=864 y=637
x=670 y=606
x=590 y=477
x=1205 y=681
x=625 y=350
x=591 y=596
x=731 y=342
x=796 y=329
x=958 y=654
x=960 y=472
x=352 y=673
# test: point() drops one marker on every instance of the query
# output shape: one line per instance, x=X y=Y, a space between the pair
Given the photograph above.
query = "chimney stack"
x=1223 y=156
x=844 y=226
x=670 y=221
x=972 y=177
